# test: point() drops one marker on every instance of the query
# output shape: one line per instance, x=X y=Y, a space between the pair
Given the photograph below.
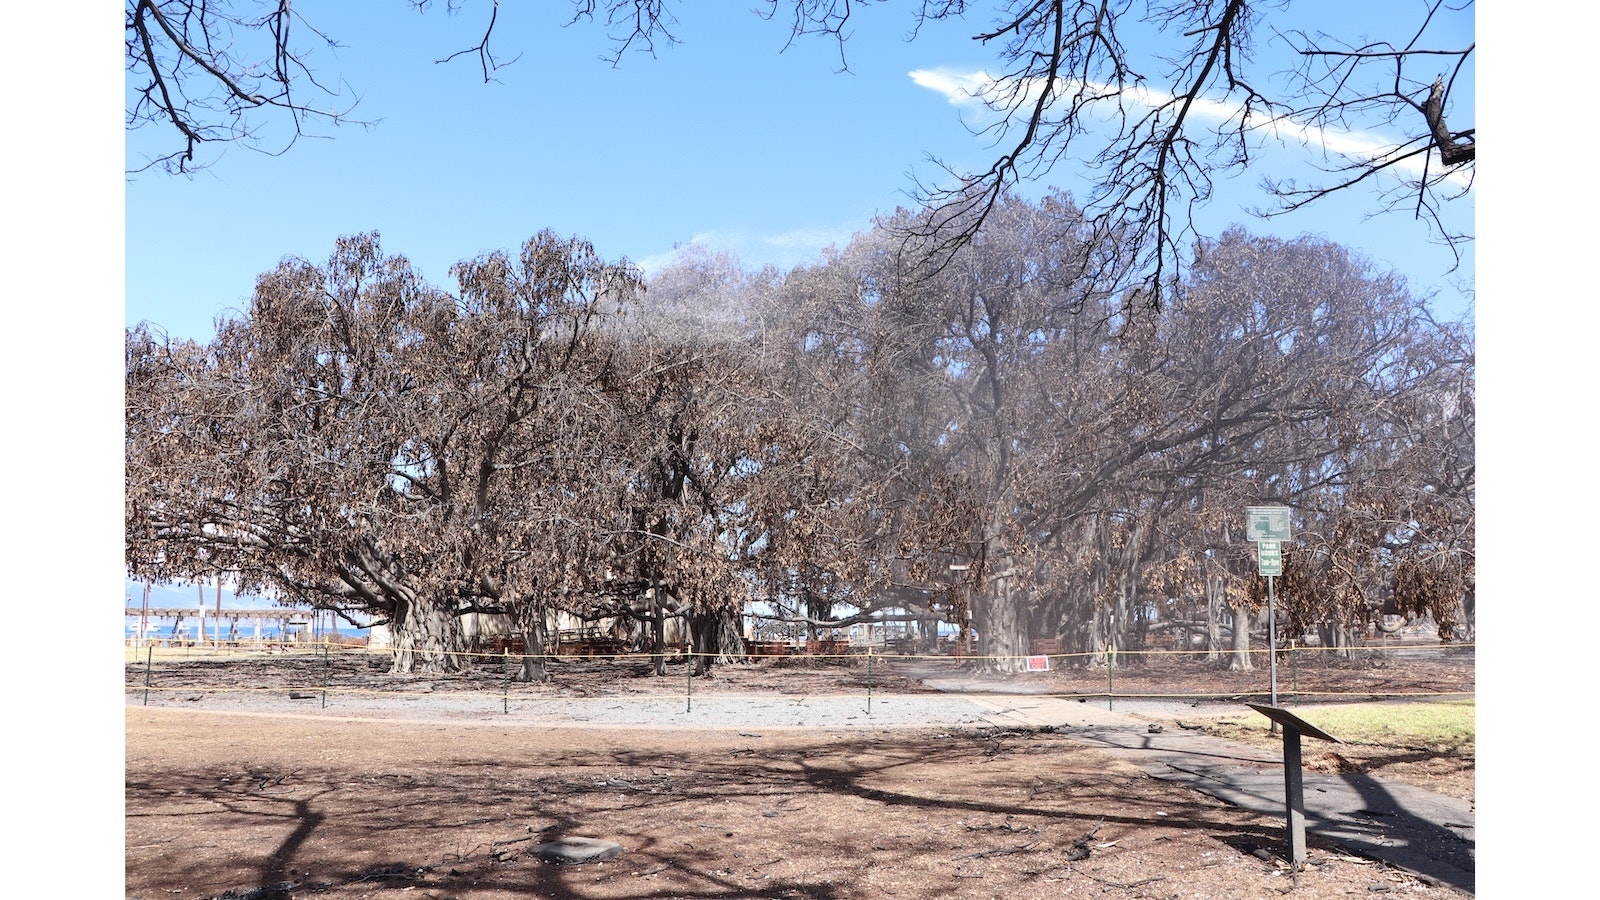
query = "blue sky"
x=727 y=139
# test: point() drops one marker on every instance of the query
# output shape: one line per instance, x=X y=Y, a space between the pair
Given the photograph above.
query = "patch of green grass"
x=1445 y=727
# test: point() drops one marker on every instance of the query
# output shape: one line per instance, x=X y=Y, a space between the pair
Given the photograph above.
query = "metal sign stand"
x=1293 y=778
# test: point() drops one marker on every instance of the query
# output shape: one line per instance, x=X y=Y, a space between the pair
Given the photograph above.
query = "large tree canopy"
x=998 y=441
x=1144 y=103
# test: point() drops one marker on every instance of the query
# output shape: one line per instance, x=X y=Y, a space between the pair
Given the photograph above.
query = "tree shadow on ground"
x=711 y=819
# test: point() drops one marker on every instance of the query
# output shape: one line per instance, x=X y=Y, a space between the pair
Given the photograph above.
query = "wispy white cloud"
x=969 y=89
x=959 y=88
x=784 y=249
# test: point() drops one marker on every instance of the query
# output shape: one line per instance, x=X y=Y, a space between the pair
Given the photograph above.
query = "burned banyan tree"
x=1006 y=441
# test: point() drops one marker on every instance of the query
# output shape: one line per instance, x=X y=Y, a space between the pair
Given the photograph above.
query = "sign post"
x=1293 y=778
x=1268 y=527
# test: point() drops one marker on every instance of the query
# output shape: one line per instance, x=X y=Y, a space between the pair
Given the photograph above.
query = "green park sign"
x=1269 y=557
x=1266 y=523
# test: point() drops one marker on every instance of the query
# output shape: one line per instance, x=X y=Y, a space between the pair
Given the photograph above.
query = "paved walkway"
x=1429 y=834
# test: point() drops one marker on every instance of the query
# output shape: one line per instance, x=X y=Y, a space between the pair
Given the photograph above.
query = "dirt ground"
x=235 y=803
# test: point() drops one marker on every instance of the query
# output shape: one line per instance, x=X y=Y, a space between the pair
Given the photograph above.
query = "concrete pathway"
x=1428 y=834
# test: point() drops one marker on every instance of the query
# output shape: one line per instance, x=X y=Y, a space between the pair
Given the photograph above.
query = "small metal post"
x=688 y=655
x=149 y=654
x=1111 y=663
x=869 y=680
x=324 y=675
x=1272 y=641
x=1294 y=795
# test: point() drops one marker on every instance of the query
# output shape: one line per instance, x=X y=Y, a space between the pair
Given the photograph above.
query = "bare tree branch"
x=1071 y=99
x=486 y=59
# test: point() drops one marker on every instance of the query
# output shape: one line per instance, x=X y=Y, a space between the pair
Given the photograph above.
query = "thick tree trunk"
x=1116 y=619
x=658 y=638
x=1002 y=629
x=1214 y=609
x=1466 y=619
x=1120 y=619
x=1341 y=640
x=1077 y=628
x=427 y=638
x=698 y=636
x=532 y=618
x=1240 y=662
x=718 y=638
x=1112 y=623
